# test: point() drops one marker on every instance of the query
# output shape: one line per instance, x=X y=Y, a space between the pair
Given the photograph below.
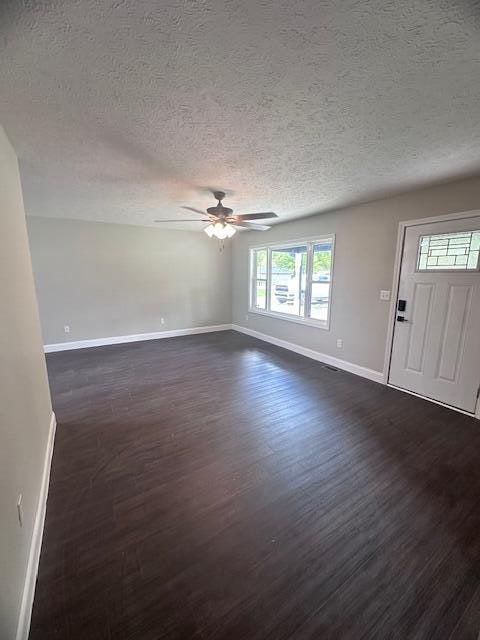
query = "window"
x=288 y=272
x=449 y=251
x=321 y=279
x=259 y=294
x=293 y=281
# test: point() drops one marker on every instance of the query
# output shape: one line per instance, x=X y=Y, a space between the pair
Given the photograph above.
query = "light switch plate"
x=384 y=295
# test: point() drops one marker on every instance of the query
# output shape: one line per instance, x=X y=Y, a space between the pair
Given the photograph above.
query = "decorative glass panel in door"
x=449 y=251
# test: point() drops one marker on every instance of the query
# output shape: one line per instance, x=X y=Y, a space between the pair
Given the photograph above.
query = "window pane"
x=449 y=251
x=260 y=279
x=288 y=280
x=261 y=294
x=321 y=275
x=261 y=264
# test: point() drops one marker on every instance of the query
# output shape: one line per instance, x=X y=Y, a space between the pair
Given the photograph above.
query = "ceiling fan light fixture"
x=220 y=230
x=210 y=230
x=231 y=231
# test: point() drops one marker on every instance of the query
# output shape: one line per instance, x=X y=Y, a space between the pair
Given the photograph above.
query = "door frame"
x=402 y=227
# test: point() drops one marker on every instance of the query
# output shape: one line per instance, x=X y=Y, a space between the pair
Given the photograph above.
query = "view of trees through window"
x=281 y=259
x=321 y=276
x=288 y=280
x=296 y=277
x=260 y=266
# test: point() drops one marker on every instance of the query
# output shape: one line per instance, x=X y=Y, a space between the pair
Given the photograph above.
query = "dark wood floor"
x=219 y=488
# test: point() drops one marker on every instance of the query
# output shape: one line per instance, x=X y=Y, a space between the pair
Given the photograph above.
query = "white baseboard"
x=23 y=627
x=371 y=374
x=136 y=337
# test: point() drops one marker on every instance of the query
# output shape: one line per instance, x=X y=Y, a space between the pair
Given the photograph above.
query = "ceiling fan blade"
x=177 y=220
x=256 y=216
x=202 y=213
x=252 y=227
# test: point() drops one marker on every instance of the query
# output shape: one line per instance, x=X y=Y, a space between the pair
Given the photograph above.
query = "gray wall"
x=365 y=244
x=25 y=408
x=112 y=280
x=105 y=280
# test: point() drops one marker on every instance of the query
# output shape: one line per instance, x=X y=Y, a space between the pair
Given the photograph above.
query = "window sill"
x=285 y=316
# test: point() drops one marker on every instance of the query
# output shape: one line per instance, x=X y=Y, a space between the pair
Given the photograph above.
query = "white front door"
x=436 y=344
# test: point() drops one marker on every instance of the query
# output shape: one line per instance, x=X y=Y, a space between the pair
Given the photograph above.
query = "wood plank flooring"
x=215 y=487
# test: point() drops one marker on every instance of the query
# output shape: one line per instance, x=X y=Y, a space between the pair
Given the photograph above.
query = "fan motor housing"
x=220 y=211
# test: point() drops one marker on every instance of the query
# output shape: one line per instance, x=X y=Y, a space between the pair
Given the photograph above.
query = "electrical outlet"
x=246 y=318
x=66 y=328
x=162 y=320
x=384 y=295
x=339 y=343
x=20 y=510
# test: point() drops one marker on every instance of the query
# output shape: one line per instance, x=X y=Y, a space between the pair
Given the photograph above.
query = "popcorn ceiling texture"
x=123 y=111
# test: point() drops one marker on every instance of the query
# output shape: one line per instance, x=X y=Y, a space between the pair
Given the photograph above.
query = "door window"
x=449 y=251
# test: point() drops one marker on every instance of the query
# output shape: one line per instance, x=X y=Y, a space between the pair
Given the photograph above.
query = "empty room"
x=240 y=320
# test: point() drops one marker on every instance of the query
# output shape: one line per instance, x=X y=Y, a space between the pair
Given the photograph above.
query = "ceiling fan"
x=223 y=221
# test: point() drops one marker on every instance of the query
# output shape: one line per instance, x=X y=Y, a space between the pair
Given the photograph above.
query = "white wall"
x=365 y=244
x=25 y=409
x=112 y=280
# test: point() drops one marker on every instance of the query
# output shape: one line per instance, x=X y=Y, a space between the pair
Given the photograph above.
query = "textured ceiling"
x=124 y=110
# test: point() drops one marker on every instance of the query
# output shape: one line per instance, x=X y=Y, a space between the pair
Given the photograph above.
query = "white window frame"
x=269 y=247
